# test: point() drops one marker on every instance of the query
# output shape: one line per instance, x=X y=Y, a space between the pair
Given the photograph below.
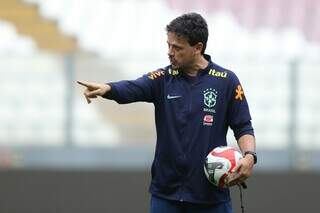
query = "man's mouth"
x=172 y=61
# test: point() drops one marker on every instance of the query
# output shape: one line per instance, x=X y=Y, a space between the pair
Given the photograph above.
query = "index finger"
x=86 y=84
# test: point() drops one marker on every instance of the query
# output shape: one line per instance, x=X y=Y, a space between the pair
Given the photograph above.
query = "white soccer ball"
x=219 y=162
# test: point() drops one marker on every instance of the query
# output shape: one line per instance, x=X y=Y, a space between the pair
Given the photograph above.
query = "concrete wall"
x=41 y=191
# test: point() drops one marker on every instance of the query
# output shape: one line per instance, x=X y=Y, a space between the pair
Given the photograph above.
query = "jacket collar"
x=201 y=71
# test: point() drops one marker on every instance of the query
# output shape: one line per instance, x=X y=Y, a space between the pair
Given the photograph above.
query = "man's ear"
x=199 y=47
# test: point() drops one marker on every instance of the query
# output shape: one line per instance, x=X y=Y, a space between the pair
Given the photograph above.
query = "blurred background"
x=59 y=154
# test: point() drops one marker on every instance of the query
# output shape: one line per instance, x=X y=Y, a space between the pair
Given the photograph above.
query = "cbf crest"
x=210 y=97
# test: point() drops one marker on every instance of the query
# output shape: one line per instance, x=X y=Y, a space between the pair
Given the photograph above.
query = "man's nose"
x=170 y=52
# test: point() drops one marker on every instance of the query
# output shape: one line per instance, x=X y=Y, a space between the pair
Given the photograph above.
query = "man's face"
x=181 y=54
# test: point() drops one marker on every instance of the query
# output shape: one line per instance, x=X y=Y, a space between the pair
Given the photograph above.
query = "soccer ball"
x=219 y=162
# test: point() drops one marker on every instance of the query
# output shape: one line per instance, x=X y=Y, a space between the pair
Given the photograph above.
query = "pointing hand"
x=94 y=89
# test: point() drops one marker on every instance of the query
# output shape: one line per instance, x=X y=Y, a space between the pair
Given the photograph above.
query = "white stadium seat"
x=11 y=43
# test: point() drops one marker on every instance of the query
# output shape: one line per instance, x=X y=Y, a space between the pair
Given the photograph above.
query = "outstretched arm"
x=145 y=88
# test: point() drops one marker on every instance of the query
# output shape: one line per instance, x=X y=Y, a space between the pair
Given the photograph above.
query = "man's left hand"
x=241 y=172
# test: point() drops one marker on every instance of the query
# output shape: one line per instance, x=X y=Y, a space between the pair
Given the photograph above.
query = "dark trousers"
x=160 y=205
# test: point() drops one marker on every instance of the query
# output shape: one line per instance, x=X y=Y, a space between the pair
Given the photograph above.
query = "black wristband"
x=253 y=154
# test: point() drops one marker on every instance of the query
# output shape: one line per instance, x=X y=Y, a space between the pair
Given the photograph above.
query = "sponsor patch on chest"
x=207 y=120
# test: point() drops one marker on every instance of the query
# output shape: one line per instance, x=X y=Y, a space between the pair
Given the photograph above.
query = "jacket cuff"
x=247 y=132
x=244 y=129
x=112 y=93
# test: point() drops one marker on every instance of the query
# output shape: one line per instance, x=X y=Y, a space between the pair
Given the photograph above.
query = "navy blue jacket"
x=192 y=117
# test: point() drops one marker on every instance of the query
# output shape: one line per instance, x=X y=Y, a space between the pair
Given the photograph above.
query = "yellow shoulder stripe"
x=155 y=74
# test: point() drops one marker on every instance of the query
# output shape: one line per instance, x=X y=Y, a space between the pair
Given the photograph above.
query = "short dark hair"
x=192 y=26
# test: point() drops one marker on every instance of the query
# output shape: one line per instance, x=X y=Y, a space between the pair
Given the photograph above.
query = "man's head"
x=187 y=39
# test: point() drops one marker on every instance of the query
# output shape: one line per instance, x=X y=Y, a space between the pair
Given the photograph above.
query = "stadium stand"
x=27 y=22
x=259 y=46
x=11 y=42
x=34 y=110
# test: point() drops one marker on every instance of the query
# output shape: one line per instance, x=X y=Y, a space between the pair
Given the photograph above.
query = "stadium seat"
x=11 y=43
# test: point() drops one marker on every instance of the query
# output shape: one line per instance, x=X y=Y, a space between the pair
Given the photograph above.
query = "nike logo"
x=173 y=96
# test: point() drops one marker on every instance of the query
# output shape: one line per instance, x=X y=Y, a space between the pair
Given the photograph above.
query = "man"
x=195 y=102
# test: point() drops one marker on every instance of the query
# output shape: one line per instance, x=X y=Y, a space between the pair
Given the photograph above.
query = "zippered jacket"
x=192 y=116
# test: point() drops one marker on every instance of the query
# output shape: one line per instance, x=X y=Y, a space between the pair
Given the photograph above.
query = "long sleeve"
x=239 y=118
x=141 y=89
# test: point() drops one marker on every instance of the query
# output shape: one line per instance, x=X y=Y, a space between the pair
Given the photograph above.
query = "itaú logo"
x=215 y=73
